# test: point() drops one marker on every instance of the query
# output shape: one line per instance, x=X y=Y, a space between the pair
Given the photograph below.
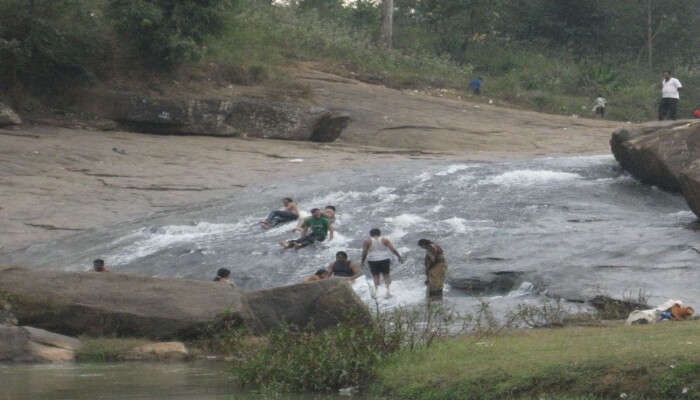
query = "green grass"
x=653 y=362
x=106 y=349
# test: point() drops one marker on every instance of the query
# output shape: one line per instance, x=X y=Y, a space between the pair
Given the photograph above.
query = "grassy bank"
x=652 y=362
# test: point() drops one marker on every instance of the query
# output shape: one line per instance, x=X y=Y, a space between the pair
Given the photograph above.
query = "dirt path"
x=56 y=181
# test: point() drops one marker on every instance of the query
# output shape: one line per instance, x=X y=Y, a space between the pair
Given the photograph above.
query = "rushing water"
x=127 y=381
x=573 y=226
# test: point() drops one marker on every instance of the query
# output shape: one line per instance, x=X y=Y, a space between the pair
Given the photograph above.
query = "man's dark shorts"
x=380 y=267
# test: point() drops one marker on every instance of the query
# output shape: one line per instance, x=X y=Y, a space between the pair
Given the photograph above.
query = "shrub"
x=164 y=33
x=49 y=45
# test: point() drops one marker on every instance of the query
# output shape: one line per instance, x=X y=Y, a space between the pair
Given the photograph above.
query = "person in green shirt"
x=314 y=229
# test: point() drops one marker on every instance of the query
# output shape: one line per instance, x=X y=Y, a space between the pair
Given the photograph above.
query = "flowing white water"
x=571 y=227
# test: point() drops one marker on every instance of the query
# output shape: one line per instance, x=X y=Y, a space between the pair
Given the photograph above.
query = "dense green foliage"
x=47 y=45
x=167 y=33
x=548 y=55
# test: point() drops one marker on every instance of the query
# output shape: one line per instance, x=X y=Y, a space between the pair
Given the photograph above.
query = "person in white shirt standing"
x=670 y=88
x=377 y=251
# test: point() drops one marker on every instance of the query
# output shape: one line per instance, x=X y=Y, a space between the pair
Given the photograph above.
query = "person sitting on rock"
x=344 y=268
x=222 y=275
x=99 y=266
x=319 y=227
x=435 y=268
x=290 y=212
x=321 y=274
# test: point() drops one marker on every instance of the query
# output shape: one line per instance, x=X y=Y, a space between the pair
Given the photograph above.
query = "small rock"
x=8 y=117
x=165 y=351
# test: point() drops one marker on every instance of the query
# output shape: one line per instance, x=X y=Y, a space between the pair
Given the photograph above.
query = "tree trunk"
x=387 y=22
x=650 y=37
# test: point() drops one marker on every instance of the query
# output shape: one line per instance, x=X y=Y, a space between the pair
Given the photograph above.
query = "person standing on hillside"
x=475 y=85
x=599 y=107
x=377 y=251
x=435 y=268
x=319 y=226
x=670 y=94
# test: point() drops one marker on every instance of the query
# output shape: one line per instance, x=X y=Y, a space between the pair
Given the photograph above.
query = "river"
x=128 y=381
x=571 y=227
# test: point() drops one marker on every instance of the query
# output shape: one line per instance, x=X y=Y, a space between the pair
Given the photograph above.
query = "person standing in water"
x=222 y=276
x=290 y=212
x=319 y=226
x=344 y=268
x=435 y=268
x=377 y=251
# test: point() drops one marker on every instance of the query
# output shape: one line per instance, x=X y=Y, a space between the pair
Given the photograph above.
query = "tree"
x=387 y=23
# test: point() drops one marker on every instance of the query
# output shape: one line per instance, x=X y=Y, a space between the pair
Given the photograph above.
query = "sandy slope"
x=56 y=181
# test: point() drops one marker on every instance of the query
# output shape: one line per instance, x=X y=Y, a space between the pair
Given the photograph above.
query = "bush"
x=49 y=45
x=294 y=360
x=163 y=34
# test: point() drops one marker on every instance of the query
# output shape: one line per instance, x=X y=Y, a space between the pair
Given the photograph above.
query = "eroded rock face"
x=75 y=303
x=658 y=153
x=8 y=116
x=245 y=117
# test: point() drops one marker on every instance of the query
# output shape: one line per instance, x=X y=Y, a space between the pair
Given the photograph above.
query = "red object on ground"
x=697 y=113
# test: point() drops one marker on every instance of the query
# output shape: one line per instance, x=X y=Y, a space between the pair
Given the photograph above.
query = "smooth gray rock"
x=658 y=153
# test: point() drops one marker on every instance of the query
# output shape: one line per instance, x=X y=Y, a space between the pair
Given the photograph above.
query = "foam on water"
x=453 y=168
x=560 y=219
x=153 y=241
x=530 y=177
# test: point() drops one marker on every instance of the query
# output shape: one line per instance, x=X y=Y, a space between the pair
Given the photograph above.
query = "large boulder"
x=75 y=303
x=314 y=305
x=8 y=116
x=658 y=153
x=239 y=116
x=27 y=344
x=110 y=304
x=476 y=284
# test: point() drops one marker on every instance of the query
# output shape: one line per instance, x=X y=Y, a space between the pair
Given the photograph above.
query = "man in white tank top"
x=377 y=251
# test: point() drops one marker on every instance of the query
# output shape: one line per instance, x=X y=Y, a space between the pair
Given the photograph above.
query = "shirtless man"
x=344 y=268
x=377 y=251
x=290 y=212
